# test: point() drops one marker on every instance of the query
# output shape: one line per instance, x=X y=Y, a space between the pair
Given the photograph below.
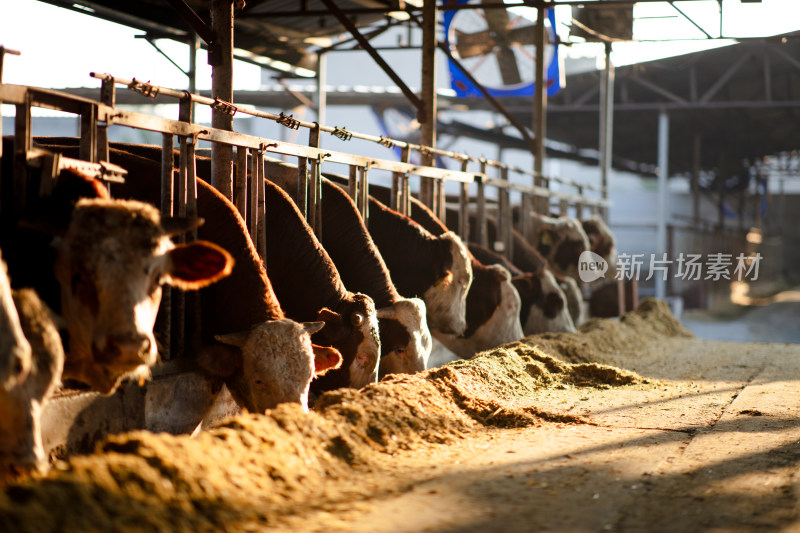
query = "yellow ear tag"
x=546 y=239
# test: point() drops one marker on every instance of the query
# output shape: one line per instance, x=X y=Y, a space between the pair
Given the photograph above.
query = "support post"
x=539 y=107
x=606 y=121
x=322 y=81
x=427 y=117
x=663 y=174
x=220 y=57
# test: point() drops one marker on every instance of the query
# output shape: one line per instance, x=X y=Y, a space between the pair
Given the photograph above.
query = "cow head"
x=271 y=363
x=405 y=339
x=21 y=450
x=353 y=330
x=602 y=242
x=574 y=296
x=561 y=241
x=15 y=351
x=446 y=300
x=493 y=314
x=110 y=264
x=548 y=310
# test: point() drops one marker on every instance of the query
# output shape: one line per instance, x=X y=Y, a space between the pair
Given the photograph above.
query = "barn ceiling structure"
x=731 y=103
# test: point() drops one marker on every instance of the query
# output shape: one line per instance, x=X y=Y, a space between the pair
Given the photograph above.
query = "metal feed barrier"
x=178 y=197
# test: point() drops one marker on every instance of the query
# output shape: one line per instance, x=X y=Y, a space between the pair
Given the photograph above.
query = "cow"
x=436 y=268
x=442 y=282
x=561 y=241
x=263 y=357
x=32 y=358
x=309 y=287
x=602 y=242
x=15 y=350
x=493 y=304
x=405 y=338
x=111 y=263
x=543 y=300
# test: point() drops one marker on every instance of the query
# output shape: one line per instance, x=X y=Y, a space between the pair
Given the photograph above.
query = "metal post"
x=405 y=195
x=302 y=186
x=428 y=95
x=240 y=181
x=696 y=179
x=463 y=207
x=663 y=174
x=167 y=189
x=363 y=193
x=108 y=93
x=539 y=105
x=261 y=213
x=606 y=120
x=220 y=57
x=482 y=236
x=322 y=81
x=194 y=46
x=253 y=194
x=88 y=142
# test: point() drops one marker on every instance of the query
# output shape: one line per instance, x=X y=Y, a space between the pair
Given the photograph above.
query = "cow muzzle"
x=124 y=350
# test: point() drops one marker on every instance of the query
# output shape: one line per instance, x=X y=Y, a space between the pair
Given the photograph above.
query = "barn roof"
x=735 y=102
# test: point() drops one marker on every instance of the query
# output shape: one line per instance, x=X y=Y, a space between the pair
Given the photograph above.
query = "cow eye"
x=357 y=319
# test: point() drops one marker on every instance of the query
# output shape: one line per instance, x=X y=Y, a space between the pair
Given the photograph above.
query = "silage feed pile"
x=259 y=468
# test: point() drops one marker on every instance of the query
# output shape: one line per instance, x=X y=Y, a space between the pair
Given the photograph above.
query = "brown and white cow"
x=263 y=358
x=309 y=287
x=544 y=304
x=560 y=240
x=493 y=304
x=436 y=268
x=404 y=334
x=405 y=338
x=111 y=263
x=35 y=372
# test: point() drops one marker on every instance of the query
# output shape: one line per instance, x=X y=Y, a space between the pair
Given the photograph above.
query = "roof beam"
x=724 y=78
x=193 y=20
x=687 y=17
x=365 y=44
x=658 y=90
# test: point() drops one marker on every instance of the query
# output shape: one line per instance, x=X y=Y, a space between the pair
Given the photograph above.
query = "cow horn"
x=313 y=327
x=177 y=225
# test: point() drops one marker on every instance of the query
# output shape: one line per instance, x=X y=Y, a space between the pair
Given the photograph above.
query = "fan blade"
x=497 y=19
x=473 y=44
x=524 y=35
x=508 y=66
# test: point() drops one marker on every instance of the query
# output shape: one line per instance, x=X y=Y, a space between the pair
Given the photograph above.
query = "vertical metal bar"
x=315 y=186
x=539 y=101
x=167 y=190
x=363 y=190
x=240 y=181
x=563 y=207
x=405 y=196
x=108 y=95
x=253 y=195
x=696 y=178
x=322 y=81
x=396 y=194
x=194 y=46
x=524 y=215
x=23 y=142
x=88 y=143
x=220 y=57
x=482 y=236
x=504 y=215
x=352 y=184
x=302 y=186
x=261 y=213
x=579 y=205
x=439 y=198
x=606 y=120
x=427 y=117
x=663 y=174
x=463 y=207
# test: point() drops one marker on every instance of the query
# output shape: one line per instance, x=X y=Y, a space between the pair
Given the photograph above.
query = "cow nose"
x=123 y=349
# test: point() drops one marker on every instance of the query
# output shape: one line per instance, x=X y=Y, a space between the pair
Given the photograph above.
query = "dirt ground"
x=628 y=426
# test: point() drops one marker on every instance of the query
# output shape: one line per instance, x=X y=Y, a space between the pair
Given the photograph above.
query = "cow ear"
x=177 y=225
x=197 y=264
x=500 y=273
x=238 y=339
x=326 y=315
x=325 y=359
x=313 y=327
x=219 y=359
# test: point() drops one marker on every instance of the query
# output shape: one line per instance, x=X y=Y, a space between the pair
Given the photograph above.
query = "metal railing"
x=248 y=194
